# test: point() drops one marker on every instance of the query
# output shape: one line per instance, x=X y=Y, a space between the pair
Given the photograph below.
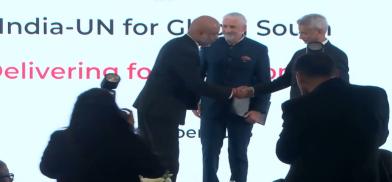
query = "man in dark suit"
x=232 y=61
x=173 y=87
x=332 y=132
x=312 y=28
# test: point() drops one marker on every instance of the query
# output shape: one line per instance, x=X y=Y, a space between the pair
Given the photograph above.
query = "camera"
x=110 y=83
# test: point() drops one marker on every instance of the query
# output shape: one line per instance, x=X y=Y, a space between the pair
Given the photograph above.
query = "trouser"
x=212 y=133
x=162 y=136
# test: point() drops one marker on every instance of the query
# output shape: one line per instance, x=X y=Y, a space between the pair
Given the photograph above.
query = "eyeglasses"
x=9 y=175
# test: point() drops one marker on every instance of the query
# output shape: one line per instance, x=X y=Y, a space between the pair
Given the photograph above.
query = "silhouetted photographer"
x=110 y=82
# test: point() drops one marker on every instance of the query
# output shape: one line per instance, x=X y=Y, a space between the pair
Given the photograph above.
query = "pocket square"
x=246 y=58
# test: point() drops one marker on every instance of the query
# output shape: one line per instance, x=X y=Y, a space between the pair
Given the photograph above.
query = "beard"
x=230 y=38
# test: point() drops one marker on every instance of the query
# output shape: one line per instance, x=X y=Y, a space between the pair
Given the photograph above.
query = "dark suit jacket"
x=385 y=164
x=288 y=78
x=246 y=63
x=333 y=133
x=175 y=83
x=120 y=160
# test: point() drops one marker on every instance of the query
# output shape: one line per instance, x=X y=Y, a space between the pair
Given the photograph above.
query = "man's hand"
x=128 y=116
x=243 y=92
x=197 y=112
x=255 y=117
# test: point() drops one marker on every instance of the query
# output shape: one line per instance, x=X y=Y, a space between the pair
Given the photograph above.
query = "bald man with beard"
x=174 y=86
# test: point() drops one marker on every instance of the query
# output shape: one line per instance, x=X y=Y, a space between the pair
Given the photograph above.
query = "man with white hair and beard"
x=231 y=61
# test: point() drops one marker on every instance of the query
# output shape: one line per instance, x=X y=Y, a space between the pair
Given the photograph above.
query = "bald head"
x=3 y=168
x=204 y=30
x=4 y=173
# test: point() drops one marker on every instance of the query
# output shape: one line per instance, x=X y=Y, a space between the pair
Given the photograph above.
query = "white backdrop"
x=43 y=67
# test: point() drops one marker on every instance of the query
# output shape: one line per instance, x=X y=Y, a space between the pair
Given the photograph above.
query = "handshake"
x=243 y=92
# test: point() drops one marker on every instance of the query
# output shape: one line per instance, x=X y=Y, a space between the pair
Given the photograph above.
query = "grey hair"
x=239 y=15
x=314 y=21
